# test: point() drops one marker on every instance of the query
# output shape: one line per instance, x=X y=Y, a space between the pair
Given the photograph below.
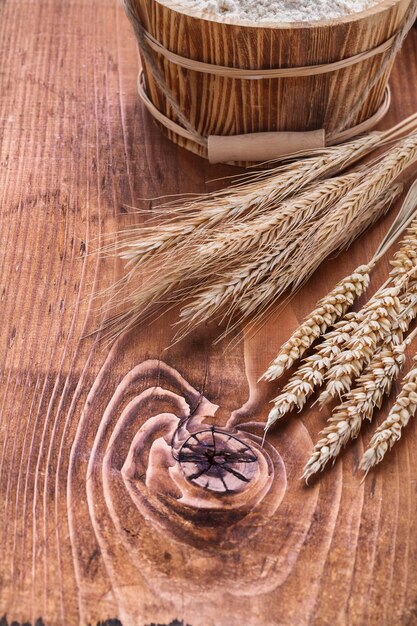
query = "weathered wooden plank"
x=83 y=538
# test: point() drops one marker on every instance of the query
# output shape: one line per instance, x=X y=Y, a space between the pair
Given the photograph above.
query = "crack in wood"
x=40 y=622
x=4 y=622
x=174 y=622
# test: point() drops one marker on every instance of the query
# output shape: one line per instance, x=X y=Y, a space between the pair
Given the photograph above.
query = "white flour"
x=273 y=10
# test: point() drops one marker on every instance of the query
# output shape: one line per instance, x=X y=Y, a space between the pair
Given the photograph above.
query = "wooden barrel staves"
x=225 y=105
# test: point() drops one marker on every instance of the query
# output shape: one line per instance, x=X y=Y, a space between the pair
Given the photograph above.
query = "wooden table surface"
x=85 y=538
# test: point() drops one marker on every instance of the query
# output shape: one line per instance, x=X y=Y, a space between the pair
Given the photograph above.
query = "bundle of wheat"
x=232 y=254
x=390 y=430
x=361 y=357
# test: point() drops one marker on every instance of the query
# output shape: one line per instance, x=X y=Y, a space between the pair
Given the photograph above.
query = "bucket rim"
x=380 y=7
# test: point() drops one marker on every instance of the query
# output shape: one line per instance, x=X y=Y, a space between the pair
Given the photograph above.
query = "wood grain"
x=86 y=538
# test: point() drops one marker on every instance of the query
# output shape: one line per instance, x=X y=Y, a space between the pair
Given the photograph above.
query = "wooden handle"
x=262 y=146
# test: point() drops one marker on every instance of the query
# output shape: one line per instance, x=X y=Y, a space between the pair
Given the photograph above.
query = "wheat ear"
x=378 y=317
x=377 y=322
x=279 y=264
x=328 y=311
x=250 y=253
x=211 y=259
x=260 y=192
x=354 y=204
x=370 y=388
x=267 y=280
x=359 y=404
x=310 y=374
x=389 y=432
x=252 y=195
x=308 y=332
x=304 y=262
x=274 y=226
x=406 y=257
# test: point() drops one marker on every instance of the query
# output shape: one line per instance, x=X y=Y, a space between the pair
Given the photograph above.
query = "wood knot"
x=217 y=461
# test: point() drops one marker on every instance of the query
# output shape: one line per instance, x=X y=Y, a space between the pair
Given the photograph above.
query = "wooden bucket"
x=226 y=106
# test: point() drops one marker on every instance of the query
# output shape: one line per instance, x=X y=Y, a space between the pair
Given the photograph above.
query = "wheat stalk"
x=359 y=404
x=304 y=336
x=376 y=324
x=254 y=194
x=280 y=265
x=260 y=192
x=252 y=278
x=390 y=431
x=370 y=388
x=353 y=205
x=303 y=261
x=310 y=374
x=328 y=311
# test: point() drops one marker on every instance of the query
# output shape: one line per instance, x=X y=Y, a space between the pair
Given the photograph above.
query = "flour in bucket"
x=274 y=10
